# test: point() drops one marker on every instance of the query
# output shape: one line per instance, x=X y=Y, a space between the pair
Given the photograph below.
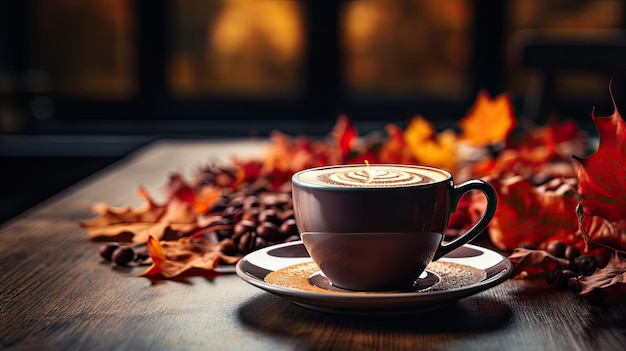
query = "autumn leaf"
x=532 y=215
x=178 y=215
x=539 y=153
x=171 y=259
x=157 y=254
x=246 y=172
x=556 y=137
x=345 y=135
x=149 y=212
x=489 y=121
x=277 y=156
x=429 y=147
x=602 y=179
x=394 y=149
x=534 y=263
x=597 y=231
x=612 y=276
x=121 y=223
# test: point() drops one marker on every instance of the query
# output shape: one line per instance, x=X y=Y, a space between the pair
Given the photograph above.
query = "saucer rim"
x=373 y=302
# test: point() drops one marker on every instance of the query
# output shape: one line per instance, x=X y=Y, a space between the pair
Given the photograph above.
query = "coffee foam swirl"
x=370 y=177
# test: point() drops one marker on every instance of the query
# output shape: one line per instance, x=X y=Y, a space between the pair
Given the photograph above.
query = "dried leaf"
x=149 y=212
x=597 y=231
x=612 y=276
x=489 y=121
x=533 y=263
x=176 y=217
x=157 y=254
x=172 y=259
x=122 y=223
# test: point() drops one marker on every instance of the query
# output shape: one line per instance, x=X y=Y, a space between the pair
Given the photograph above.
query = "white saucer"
x=254 y=267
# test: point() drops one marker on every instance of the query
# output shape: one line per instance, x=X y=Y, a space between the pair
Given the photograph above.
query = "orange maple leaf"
x=158 y=257
x=429 y=147
x=171 y=259
x=489 y=121
x=176 y=216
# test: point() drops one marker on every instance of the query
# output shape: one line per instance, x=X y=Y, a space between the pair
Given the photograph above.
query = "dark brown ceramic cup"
x=377 y=227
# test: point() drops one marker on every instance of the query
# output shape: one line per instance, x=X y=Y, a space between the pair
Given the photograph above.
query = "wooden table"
x=57 y=294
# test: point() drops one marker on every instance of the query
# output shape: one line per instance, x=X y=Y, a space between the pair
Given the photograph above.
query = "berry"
x=571 y=252
x=106 y=250
x=123 y=255
x=556 y=248
x=586 y=264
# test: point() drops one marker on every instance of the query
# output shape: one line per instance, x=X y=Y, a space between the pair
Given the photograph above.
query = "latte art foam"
x=372 y=176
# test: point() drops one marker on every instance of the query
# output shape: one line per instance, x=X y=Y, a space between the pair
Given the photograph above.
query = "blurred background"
x=83 y=83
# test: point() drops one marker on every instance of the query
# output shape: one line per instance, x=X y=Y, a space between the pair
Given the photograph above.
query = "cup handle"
x=482 y=223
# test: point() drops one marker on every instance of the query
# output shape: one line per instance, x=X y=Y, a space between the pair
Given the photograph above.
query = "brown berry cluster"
x=120 y=254
x=565 y=277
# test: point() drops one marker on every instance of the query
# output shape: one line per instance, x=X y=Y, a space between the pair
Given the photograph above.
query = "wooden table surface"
x=57 y=294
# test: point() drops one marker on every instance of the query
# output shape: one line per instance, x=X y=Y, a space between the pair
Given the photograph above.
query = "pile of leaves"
x=553 y=185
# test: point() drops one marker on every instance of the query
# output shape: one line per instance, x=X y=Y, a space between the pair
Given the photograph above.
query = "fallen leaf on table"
x=176 y=217
x=171 y=259
x=122 y=223
x=612 y=276
x=533 y=263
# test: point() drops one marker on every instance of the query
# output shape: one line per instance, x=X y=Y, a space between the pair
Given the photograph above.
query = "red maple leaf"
x=394 y=149
x=345 y=135
x=602 y=176
x=532 y=215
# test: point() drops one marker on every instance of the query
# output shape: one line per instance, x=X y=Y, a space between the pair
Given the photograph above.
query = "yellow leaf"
x=489 y=121
x=430 y=148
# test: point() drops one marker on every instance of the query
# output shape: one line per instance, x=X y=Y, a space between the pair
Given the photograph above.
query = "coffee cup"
x=376 y=227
